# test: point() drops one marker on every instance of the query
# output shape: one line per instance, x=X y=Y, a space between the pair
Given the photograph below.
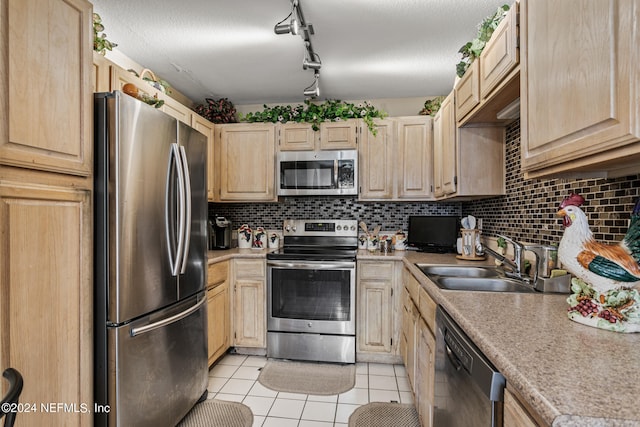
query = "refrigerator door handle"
x=187 y=208
x=169 y=320
x=168 y=206
x=175 y=151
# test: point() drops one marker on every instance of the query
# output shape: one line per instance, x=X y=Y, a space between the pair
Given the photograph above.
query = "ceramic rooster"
x=603 y=266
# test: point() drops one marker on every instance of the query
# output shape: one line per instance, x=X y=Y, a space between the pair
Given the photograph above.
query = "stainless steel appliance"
x=311 y=292
x=150 y=264
x=313 y=173
x=219 y=233
x=469 y=390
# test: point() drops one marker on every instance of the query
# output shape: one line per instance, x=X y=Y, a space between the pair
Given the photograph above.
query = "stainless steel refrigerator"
x=150 y=264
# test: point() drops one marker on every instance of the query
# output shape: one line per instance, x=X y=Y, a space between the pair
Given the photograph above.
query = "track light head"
x=314 y=65
x=282 y=28
x=313 y=91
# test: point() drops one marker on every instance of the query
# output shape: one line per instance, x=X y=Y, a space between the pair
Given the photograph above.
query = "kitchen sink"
x=472 y=278
x=458 y=271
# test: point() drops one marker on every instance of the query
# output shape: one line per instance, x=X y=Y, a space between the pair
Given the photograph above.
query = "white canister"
x=372 y=243
x=245 y=237
x=274 y=241
x=400 y=242
x=259 y=238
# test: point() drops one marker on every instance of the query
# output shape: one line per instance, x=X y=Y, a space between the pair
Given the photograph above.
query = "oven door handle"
x=312 y=265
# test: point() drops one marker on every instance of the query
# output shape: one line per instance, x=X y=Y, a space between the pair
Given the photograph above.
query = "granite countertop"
x=571 y=374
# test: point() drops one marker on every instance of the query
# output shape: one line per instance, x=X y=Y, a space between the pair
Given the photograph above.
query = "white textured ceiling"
x=369 y=49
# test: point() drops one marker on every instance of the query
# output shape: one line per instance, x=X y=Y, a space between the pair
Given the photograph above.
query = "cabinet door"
x=501 y=54
x=579 y=107
x=414 y=165
x=46 y=90
x=444 y=149
x=376 y=162
x=205 y=127
x=425 y=373
x=218 y=320
x=340 y=135
x=467 y=91
x=374 y=316
x=296 y=137
x=414 y=317
x=47 y=296
x=176 y=110
x=249 y=309
x=247 y=162
x=515 y=415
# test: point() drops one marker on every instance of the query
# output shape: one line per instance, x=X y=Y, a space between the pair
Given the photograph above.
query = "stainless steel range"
x=311 y=292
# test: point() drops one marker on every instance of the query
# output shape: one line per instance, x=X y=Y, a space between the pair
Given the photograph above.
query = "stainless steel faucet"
x=517 y=265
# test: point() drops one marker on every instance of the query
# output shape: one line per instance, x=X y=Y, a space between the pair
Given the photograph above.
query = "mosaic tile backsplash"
x=526 y=212
x=390 y=216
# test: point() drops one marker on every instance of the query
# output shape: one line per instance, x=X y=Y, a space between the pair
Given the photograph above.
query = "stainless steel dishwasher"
x=468 y=388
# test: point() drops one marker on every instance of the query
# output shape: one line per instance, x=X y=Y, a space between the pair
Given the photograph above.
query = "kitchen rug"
x=380 y=414
x=218 y=413
x=308 y=377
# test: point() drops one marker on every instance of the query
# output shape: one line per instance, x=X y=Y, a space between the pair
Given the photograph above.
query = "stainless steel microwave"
x=316 y=173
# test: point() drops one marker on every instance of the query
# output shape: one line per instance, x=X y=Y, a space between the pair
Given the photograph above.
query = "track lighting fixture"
x=296 y=25
x=313 y=91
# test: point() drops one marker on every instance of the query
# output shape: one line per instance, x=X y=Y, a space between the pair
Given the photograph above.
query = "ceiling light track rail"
x=297 y=25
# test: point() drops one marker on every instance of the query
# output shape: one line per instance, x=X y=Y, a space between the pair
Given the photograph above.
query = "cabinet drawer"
x=427 y=309
x=249 y=268
x=218 y=273
x=376 y=270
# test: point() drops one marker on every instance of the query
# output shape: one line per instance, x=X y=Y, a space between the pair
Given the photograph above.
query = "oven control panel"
x=297 y=227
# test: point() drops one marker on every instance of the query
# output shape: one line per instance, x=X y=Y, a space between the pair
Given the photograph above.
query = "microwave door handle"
x=335 y=173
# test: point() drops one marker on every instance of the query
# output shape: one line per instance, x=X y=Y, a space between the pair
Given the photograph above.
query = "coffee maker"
x=219 y=233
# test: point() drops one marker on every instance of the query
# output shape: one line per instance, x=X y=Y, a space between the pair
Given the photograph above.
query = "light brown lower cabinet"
x=375 y=296
x=249 y=303
x=425 y=372
x=218 y=302
x=516 y=414
x=418 y=345
x=46 y=294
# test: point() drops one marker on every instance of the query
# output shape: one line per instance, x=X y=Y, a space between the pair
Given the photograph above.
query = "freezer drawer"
x=157 y=375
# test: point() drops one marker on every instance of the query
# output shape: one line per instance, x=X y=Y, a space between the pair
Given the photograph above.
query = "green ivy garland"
x=472 y=50
x=330 y=110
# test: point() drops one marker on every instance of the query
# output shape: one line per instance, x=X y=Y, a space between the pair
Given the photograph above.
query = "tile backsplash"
x=390 y=216
x=527 y=212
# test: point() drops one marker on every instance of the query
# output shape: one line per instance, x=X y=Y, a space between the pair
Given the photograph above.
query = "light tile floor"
x=235 y=378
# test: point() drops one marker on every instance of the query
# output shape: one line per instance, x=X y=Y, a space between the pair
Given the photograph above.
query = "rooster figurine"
x=603 y=266
x=603 y=294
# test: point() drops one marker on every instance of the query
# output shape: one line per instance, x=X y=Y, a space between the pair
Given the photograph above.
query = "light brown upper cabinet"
x=580 y=99
x=340 y=135
x=415 y=158
x=444 y=149
x=375 y=161
x=294 y=136
x=492 y=82
x=50 y=122
x=245 y=162
x=469 y=162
